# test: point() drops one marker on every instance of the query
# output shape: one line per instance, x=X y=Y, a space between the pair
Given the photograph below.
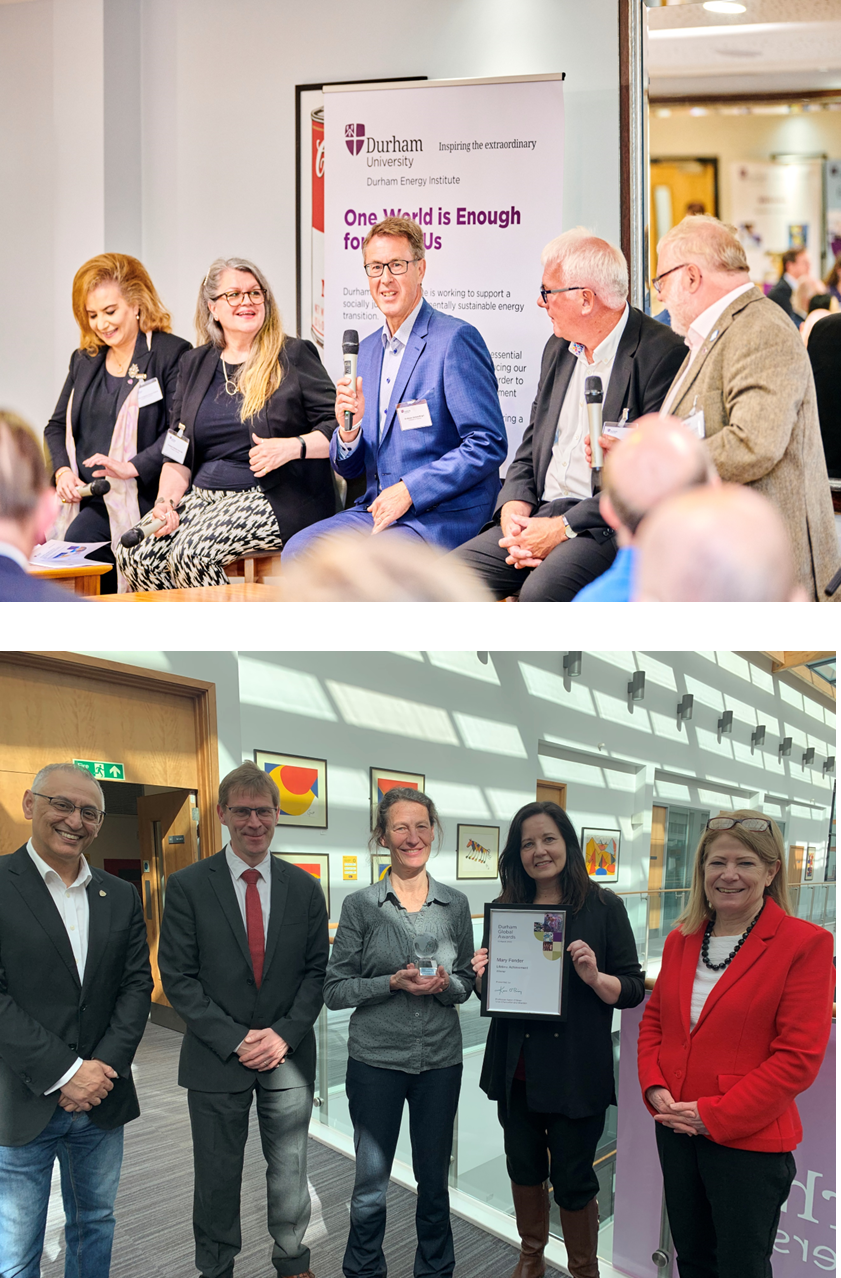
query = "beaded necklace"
x=705 y=944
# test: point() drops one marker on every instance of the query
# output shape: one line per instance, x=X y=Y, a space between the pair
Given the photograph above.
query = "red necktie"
x=254 y=923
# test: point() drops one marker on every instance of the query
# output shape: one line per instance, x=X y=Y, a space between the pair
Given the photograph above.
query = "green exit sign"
x=102 y=771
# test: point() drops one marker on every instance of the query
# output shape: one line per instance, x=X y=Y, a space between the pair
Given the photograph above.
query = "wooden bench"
x=261 y=569
x=84 y=579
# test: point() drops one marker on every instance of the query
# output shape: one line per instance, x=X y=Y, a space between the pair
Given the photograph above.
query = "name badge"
x=414 y=413
x=618 y=430
x=695 y=423
x=149 y=393
x=175 y=446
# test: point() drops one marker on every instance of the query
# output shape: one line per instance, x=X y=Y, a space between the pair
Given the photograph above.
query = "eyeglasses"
x=573 y=288
x=244 y=814
x=89 y=814
x=657 y=282
x=398 y=267
x=236 y=295
x=750 y=823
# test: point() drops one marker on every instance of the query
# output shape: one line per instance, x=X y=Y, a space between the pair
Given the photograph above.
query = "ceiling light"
x=724 y=6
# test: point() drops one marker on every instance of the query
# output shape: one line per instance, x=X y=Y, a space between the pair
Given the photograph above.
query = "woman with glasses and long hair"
x=114 y=404
x=251 y=424
x=553 y=1080
x=736 y=1027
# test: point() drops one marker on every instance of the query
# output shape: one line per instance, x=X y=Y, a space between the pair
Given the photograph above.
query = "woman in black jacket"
x=252 y=419
x=553 y=1080
x=115 y=403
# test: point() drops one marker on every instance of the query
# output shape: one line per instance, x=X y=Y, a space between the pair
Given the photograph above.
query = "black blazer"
x=47 y=1019
x=207 y=974
x=301 y=492
x=569 y=1065
x=161 y=362
x=781 y=294
x=647 y=359
x=16 y=586
x=824 y=351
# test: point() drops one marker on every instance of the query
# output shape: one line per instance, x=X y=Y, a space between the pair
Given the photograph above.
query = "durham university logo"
x=354 y=137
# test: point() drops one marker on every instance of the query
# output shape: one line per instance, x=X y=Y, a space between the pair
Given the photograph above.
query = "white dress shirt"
x=705 y=980
x=394 y=349
x=699 y=331
x=264 y=885
x=12 y=552
x=74 y=912
x=568 y=474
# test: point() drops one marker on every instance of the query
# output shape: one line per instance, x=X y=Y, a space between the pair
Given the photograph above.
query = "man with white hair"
x=716 y=545
x=553 y=538
x=746 y=386
x=658 y=460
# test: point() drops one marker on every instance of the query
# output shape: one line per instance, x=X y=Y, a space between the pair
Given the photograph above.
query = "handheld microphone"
x=96 y=488
x=350 y=354
x=148 y=525
x=594 y=396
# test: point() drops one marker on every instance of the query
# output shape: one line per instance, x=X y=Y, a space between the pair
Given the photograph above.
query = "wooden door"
x=552 y=792
x=168 y=842
x=796 y=852
x=656 y=864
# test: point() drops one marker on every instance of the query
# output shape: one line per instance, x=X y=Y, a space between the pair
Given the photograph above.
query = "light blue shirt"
x=614 y=586
x=394 y=349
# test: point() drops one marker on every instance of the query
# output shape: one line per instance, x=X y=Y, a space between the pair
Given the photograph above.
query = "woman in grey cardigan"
x=402 y=960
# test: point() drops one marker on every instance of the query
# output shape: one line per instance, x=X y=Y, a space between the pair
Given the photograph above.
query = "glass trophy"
x=425 y=954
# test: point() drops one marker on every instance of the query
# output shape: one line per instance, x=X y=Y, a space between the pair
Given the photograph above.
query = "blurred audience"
x=825 y=356
x=796 y=266
x=821 y=305
x=833 y=279
x=801 y=301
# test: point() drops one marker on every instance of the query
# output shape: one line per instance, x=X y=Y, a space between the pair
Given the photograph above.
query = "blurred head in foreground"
x=349 y=568
x=716 y=545
x=27 y=503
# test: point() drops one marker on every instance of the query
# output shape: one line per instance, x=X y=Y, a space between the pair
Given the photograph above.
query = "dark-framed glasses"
x=573 y=288
x=89 y=814
x=750 y=823
x=241 y=813
x=399 y=266
x=657 y=282
x=237 y=295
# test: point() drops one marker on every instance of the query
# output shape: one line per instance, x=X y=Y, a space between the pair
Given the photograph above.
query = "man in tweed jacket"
x=748 y=373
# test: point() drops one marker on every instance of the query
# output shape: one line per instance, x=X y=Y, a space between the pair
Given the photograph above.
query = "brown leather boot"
x=531 y=1205
x=581 y=1239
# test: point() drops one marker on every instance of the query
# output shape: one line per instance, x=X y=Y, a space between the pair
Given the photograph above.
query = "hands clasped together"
x=89 y=1086
x=262 y=1049
x=681 y=1116
x=410 y=980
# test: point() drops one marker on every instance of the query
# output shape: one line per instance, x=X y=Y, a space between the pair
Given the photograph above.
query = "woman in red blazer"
x=736 y=1027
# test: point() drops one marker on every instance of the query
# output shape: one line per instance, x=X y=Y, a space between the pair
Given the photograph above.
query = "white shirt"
x=699 y=331
x=264 y=885
x=393 y=352
x=568 y=474
x=74 y=912
x=12 y=552
x=705 y=980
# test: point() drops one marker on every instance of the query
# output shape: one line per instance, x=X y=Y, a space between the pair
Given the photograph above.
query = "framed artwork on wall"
x=385 y=779
x=809 y=871
x=601 y=853
x=302 y=784
x=477 y=852
x=380 y=863
x=317 y=864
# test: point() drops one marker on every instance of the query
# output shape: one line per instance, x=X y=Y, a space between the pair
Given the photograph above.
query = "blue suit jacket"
x=16 y=586
x=451 y=468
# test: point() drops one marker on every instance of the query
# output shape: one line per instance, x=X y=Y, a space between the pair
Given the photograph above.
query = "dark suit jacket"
x=16 y=586
x=152 y=420
x=301 y=492
x=47 y=1019
x=647 y=359
x=824 y=351
x=207 y=974
x=781 y=294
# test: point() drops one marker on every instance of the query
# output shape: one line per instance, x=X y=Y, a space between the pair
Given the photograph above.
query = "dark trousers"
x=723 y=1204
x=539 y=1145
x=91 y=524
x=564 y=571
x=219 y=1122
x=376 y=1098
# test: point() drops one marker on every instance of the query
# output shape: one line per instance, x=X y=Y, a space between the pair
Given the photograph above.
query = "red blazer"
x=760 y=1038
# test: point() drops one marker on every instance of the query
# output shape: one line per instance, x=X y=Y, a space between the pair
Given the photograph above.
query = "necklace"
x=705 y=945
x=231 y=379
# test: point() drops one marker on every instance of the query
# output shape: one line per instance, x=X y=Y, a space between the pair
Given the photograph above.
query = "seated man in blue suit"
x=427 y=429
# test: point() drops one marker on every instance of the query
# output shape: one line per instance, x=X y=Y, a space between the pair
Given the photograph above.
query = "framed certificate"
x=528 y=964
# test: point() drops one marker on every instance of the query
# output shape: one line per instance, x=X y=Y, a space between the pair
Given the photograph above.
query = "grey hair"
x=67 y=767
x=401 y=794
x=591 y=262
x=207 y=328
x=705 y=239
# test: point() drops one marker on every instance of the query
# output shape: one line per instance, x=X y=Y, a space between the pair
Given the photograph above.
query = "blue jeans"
x=376 y=1098
x=90 y=1161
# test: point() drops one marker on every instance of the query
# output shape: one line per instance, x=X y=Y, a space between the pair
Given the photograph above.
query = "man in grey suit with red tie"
x=243 y=952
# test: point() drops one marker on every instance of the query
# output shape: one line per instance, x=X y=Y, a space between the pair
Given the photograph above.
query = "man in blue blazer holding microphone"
x=427 y=428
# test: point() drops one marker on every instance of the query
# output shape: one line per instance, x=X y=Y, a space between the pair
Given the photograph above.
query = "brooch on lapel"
x=713 y=336
x=102 y=892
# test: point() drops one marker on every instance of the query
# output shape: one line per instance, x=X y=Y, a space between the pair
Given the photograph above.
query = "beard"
x=680 y=314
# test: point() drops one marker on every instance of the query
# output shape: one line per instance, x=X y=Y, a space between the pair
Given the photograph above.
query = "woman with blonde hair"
x=114 y=405
x=736 y=1027
x=251 y=425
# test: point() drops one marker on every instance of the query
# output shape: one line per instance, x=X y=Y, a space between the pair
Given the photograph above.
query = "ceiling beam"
x=788 y=660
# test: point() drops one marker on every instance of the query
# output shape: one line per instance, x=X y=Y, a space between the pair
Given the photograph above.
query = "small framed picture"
x=809 y=869
x=385 y=779
x=601 y=854
x=302 y=785
x=477 y=852
x=528 y=964
x=317 y=864
x=380 y=865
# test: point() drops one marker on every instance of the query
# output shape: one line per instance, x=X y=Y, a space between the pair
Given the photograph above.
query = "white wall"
x=474 y=731
x=214 y=147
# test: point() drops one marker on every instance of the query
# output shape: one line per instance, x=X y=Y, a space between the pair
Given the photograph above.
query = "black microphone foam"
x=593 y=391
x=131 y=538
x=350 y=342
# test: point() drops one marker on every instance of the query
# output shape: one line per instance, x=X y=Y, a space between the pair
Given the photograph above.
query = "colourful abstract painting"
x=477 y=852
x=302 y=786
x=316 y=863
x=601 y=854
x=385 y=779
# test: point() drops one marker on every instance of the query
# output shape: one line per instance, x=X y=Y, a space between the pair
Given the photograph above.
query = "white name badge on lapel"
x=175 y=445
x=617 y=430
x=695 y=422
x=414 y=413
x=149 y=393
